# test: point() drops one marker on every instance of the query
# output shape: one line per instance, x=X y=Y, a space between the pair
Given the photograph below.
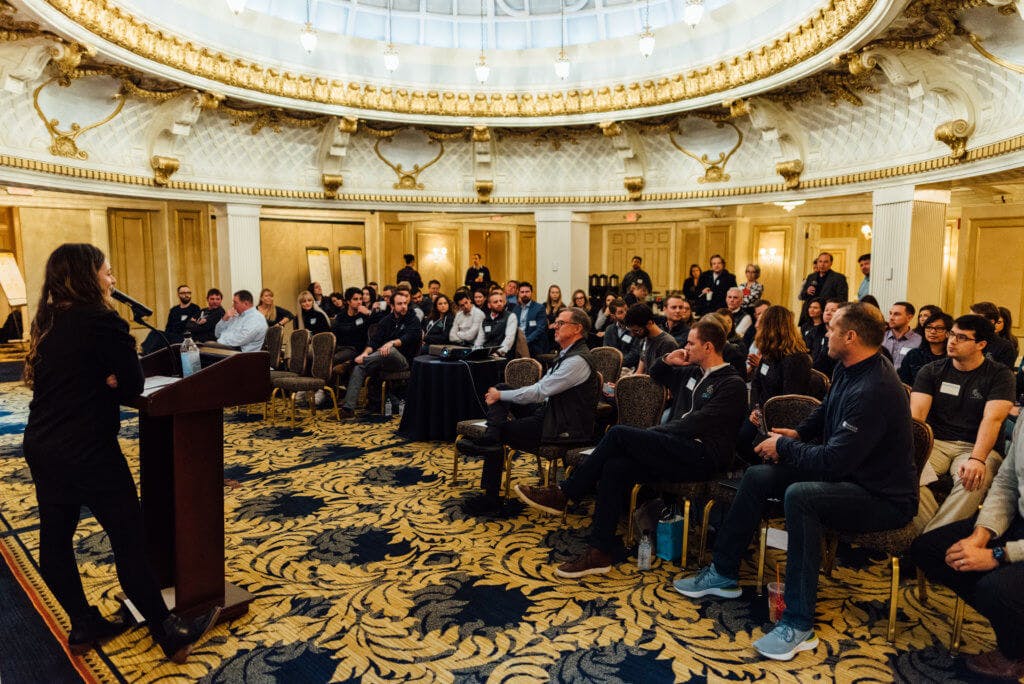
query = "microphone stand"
x=139 y=316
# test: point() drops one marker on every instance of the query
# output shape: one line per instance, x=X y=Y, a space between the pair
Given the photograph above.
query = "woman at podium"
x=81 y=366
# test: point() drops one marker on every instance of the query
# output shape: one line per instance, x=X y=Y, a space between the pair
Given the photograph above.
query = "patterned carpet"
x=365 y=569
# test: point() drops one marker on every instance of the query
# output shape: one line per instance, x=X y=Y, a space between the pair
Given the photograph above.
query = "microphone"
x=139 y=309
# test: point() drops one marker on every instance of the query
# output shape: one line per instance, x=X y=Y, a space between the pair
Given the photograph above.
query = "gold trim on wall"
x=1008 y=146
x=714 y=171
x=810 y=37
x=975 y=41
x=64 y=143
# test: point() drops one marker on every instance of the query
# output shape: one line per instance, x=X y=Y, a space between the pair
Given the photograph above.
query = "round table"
x=442 y=393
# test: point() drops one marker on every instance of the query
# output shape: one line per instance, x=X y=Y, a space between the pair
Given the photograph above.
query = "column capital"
x=249 y=210
x=559 y=215
x=908 y=193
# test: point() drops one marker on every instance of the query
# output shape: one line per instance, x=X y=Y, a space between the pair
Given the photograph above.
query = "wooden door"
x=131 y=258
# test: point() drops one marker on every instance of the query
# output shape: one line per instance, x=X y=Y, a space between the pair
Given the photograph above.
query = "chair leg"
x=291 y=405
x=922 y=587
x=958 y=624
x=831 y=542
x=761 y=552
x=508 y=471
x=455 y=460
x=894 y=598
x=630 y=537
x=545 y=473
x=334 y=400
x=704 y=531
x=686 y=534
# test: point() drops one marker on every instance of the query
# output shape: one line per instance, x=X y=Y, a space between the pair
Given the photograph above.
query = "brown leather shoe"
x=548 y=499
x=994 y=664
x=592 y=562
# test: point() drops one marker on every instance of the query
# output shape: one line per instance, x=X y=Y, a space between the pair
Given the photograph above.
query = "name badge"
x=627 y=338
x=359 y=321
x=950 y=388
x=487 y=328
x=904 y=351
x=764 y=369
x=533 y=324
x=691 y=383
x=312 y=320
x=184 y=317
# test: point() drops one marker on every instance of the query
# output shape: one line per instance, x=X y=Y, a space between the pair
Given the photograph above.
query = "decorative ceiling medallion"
x=408 y=180
x=714 y=171
x=810 y=37
x=63 y=143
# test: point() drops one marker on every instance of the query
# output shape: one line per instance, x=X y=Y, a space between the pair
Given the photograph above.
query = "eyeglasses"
x=559 y=323
x=935 y=328
x=960 y=337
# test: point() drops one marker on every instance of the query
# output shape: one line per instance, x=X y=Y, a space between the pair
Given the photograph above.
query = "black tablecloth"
x=441 y=393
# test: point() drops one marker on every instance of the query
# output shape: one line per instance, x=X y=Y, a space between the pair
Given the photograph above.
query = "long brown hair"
x=70 y=281
x=777 y=335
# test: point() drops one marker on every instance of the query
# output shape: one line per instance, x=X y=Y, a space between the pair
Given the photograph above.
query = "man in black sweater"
x=860 y=478
x=202 y=326
x=177 y=318
x=391 y=348
x=695 y=444
x=350 y=327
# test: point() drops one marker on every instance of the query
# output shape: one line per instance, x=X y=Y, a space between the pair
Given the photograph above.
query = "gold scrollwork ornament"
x=408 y=180
x=64 y=143
x=714 y=171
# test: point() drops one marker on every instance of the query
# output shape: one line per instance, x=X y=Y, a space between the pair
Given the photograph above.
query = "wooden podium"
x=181 y=464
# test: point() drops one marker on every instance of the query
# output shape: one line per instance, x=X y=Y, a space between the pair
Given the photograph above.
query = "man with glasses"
x=177 y=320
x=936 y=334
x=558 y=407
x=965 y=399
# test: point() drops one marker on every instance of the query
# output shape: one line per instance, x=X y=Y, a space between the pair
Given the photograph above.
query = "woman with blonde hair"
x=311 y=317
x=552 y=306
x=275 y=315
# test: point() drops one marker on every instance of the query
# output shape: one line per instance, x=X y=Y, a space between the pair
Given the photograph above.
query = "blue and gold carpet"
x=365 y=568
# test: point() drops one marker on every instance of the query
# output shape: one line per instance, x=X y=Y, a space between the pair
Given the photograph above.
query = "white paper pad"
x=155 y=382
x=777 y=539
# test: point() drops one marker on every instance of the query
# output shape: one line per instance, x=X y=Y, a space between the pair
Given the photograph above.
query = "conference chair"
x=272 y=344
x=893 y=542
x=318 y=379
x=819 y=384
x=298 y=345
x=518 y=373
x=608 y=362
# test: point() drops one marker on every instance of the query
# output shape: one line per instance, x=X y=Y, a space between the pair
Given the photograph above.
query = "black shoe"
x=483 y=505
x=471 y=447
x=180 y=634
x=346 y=413
x=93 y=630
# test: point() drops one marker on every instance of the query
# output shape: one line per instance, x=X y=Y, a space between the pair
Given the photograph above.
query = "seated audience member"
x=601 y=317
x=337 y=300
x=932 y=347
x=676 y=309
x=783 y=367
x=965 y=399
x=311 y=317
x=581 y=301
x=419 y=304
x=499 y=326
x=999 y=349
x=438 y=326
x=468 y=320
x=274 y=315
x=512 y=292
x=480 y=299
x=552 y=306
x=618 y=335
x=390 y=348
x=350 y=327
x=202 y=325
x=695 y=444
x=982 y=560
x=532 y=320
x=242 y=325
x=813 y=327
x=860 y=478
x=870 y=299
x=820 y=360
x=1004 y=329
x=654 y=342
x=433 y=289
x=177 y=320
x=748 y=337
x=322 y=301
x=559 y=407
x=733 y=352
x=899 y=338
x=741 y=320
x=923 y=314
x=637 y=294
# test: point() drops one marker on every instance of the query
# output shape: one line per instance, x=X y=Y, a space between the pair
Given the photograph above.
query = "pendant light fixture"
x=693 y=12
x=308 y=35
x=390 y=51
x=646 y=41
x=236 y=6
x=482 y=71
x=562 y=63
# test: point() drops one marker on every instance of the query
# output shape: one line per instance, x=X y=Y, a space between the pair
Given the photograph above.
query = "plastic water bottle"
x=643 y=553
x=387 y=406
x=189 y=356
x=401 y=407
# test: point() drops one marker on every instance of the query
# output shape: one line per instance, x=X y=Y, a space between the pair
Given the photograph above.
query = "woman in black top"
x=321 y=300
x=81 y=366
x=690 y=291
x=784 y=367
x=275 y=315
x=813 y=329
x=932 y=347
x=1004 y=329
x=439 y=323
x=311 y=316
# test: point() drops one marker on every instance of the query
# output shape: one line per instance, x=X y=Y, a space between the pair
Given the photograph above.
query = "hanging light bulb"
x=562 y=65
x=646 y=41
x=693 y=12
x=236 y=6
x=308 y=38
x=483 y=72
x=390 y=57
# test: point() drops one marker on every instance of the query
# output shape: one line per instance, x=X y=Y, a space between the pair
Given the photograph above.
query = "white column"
x=240 y=225
x=563 y=251
x=907 y=242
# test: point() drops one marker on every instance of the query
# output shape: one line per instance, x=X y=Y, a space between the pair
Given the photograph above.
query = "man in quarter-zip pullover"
x=695 y=444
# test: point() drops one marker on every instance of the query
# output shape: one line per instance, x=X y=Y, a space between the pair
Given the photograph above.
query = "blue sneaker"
x=708 y=582
x=784 y=642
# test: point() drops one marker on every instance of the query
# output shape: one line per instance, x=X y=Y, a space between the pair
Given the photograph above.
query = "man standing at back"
x=409 y=273
x=823 y=283
x=860 y=478
x=864 y=261
x=532 y=320
x=634 y=276
x=713 y=285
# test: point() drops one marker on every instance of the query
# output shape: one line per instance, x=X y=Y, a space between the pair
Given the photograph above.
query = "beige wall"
x=283 y=246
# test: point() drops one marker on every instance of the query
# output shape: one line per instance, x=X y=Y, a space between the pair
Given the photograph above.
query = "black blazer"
x=718 y=290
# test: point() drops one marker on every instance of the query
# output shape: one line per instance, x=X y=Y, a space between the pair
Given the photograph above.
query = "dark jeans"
x=118 y=513
x=372 y=366
x=811 y=507
x=523 y=433
x=996 y=594
x=748 y=438
x=627 y=456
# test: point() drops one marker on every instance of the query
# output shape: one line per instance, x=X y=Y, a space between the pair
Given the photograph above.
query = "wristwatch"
x=999 y=553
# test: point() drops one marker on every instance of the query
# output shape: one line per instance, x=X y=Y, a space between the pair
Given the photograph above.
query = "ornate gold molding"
x=999 y=61
x=634 y=187
x=955 y=134
x=63 y=143
x=483 y=190
x=714 y=171
x=331 y=183
x=163 y=169
x=810 y=37
x=273 y=118
x=790 y=172
x=407 y=180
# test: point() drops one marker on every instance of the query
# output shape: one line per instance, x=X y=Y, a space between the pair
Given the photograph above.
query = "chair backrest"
x=641 y=401
x=607 y=361
x=908 y=388
x=298 y=346
x=272 y=344
x=323 y=355
x=522 y=372
x=787 y=410
x=923 y=440
x=819 y=384
x=521 y=346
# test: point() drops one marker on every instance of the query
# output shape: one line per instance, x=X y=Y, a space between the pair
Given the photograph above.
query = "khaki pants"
x=948 y=457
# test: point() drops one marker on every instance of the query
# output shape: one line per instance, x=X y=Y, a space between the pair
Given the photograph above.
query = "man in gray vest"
x=560 y=407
